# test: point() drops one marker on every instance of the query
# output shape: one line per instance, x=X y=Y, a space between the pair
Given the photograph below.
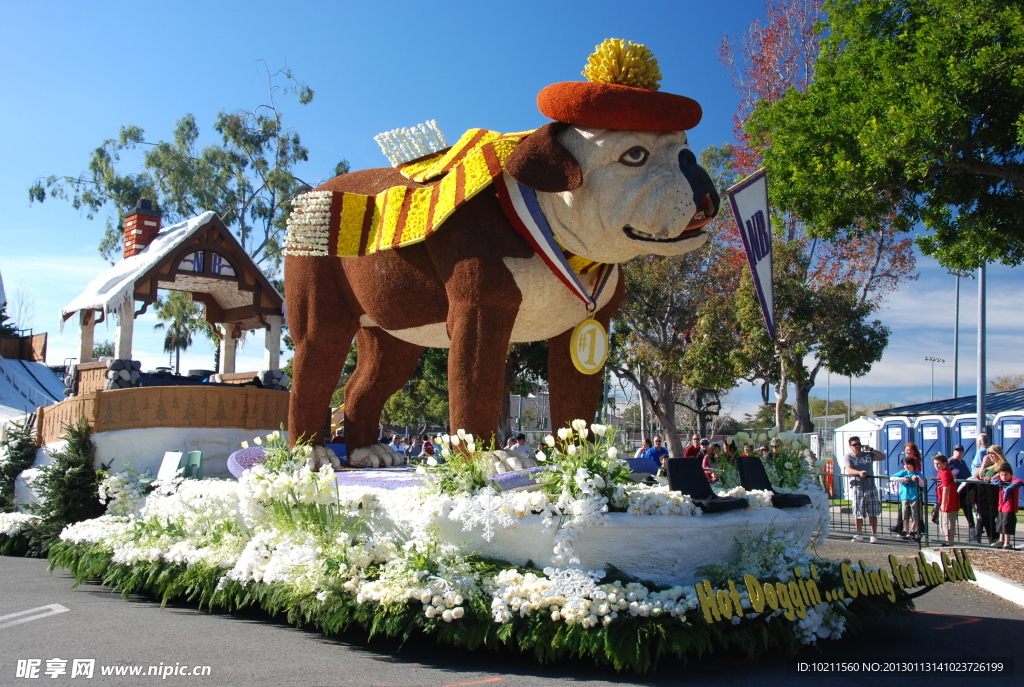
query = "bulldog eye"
x=635 y=156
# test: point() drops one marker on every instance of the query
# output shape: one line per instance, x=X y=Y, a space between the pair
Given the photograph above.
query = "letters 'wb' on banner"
x=749 y=200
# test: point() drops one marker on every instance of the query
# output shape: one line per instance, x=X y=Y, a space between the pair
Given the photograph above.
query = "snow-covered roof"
x=117 y=284
x=24 y=386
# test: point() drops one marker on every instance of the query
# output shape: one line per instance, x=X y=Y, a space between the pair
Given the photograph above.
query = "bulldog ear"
x=543 y=164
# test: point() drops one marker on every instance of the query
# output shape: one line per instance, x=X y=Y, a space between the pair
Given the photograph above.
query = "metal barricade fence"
x=978 y=510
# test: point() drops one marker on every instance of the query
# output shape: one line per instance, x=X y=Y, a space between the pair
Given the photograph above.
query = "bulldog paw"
x=363 y=457
x=320 y=456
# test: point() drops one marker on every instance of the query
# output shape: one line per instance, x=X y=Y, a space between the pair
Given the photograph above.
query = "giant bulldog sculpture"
x=614 y=178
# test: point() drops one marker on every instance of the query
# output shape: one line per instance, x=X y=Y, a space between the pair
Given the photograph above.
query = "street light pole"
x=959 y=274
x=933 y=361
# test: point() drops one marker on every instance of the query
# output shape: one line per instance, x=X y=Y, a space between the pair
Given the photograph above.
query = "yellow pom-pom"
x=624 y=63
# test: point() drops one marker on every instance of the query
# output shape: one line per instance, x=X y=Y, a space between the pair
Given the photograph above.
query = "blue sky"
x=77 y=72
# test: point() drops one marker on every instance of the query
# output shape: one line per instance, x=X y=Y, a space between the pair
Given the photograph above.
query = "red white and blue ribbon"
x=523 y=211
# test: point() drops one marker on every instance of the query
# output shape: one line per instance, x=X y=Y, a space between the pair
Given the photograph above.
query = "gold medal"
x=588 y=346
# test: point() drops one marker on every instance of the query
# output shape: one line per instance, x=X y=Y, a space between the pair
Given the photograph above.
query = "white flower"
x=271 y=437
x=579 y=424
x=257 y=441
x=599 y=430
x=788 y=465
x=431 y=461
x=455 y=440
x=470 y=446
x=461 y=434
x=549 y=440
x=571 y=450
x=584 y=432
x=540 y=456
x=564 y=433
x=245 y=444
x=613 y=452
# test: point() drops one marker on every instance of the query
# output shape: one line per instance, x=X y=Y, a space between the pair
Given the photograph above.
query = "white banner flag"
x=749 y=200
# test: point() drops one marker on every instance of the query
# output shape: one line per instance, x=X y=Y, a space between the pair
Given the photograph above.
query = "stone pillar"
x=86 y=335
x=272 y=345
x=227 y=347
x=125 y=329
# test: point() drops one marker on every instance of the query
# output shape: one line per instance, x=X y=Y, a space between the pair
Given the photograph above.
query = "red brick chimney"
x=141 y=226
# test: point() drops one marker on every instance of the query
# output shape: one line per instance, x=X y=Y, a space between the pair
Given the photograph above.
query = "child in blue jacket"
x=910 y=480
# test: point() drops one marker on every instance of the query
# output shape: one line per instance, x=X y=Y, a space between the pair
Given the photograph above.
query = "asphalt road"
x=954 y=621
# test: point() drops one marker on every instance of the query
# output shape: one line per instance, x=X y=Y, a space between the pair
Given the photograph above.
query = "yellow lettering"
x=724 y=603
x=770 y=597
x=734 y=594
x=887 y=588
x=708 y=603
x=965 y=561
x=784 y=600
x=754 y=592
x=813 y=593
x=897 y=571
x=796 y=595
x=848 y=580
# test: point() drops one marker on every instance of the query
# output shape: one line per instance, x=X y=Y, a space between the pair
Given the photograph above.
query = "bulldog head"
x=612 y=195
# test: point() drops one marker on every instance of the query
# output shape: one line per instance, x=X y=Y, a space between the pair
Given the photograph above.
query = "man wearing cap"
x=965 y=490
x=859 y=465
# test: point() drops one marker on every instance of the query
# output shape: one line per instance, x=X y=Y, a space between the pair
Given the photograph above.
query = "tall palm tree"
x=181 y=318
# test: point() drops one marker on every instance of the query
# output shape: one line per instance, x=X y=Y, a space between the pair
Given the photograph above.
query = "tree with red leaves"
x=850 y=276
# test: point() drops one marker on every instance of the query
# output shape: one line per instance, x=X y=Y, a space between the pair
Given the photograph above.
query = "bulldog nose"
x=699 y=180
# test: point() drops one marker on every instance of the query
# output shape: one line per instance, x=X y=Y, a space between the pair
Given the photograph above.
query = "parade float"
x=568 y=553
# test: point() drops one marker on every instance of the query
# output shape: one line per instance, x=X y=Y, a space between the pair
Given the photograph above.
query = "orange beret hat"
x=613 y=106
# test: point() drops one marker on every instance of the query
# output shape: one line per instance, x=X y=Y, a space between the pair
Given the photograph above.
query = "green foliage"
x=181 y=319
x=17 y=453
x=634 y=644
x=67 y=488
x=247 y=178
x=581 y=464
x=103 y=349
x=423 y=401
x=7 y=325
x=459 y=471
x=914 y=116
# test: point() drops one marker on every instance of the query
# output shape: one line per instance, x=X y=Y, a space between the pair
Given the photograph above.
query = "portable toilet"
x=932 y=432
x=1006 y=431
x=896 y=433
x=964 y=430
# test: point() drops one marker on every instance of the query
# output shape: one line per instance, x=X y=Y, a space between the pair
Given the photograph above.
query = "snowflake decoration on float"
x=487 y=509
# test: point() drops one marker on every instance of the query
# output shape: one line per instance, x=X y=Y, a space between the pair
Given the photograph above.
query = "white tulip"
x=598 y=430
x=461 y=433
x=539 y=455
x=564 y=433
x=613 y=452
x=455 y=440
x=245 y=444
x=257 y=441
x=549 y=440
x=571 y=450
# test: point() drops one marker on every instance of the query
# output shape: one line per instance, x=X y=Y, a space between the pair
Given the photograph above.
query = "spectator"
x=729 y=452
x=656 y=452
x=694 y=448
x=428 y=448
x=748 y=449
x=947 y=497
x=909 y=451
x=965 y=491
x=776 y=446
x=988 y=494
x=859 y=465
x=910 y=479
x=415 y=447
x=979 y=455
x=521 y=447
x=704 y=443
x=644 y=447
x=708 y=463
x=339 y=436
x=1008 y=486
x=396 y=444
